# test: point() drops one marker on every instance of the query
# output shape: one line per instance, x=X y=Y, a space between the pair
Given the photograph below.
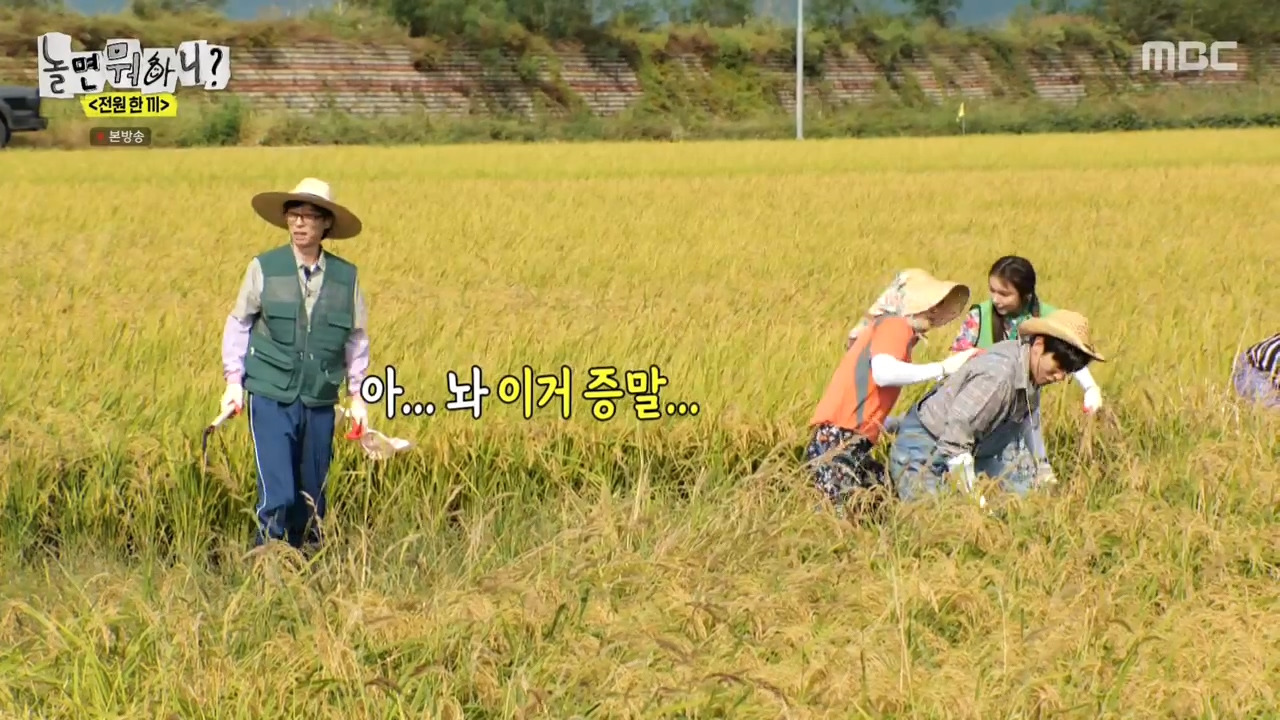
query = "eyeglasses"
x=293 y=216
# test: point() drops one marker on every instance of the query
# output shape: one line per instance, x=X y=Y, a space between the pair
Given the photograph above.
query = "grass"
x=673 y=568
x=224 y=120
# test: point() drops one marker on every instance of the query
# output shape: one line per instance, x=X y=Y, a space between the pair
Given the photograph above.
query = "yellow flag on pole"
x=960 y=114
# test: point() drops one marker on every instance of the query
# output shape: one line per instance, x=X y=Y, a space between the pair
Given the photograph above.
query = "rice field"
x=516 y=567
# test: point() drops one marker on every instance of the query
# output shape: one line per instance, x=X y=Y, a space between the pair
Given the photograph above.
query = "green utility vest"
x=986 y=321
x=291 y=356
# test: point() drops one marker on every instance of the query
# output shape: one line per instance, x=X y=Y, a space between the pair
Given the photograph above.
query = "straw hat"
x=922 y=291
x=1066 y=325
x=270 y=206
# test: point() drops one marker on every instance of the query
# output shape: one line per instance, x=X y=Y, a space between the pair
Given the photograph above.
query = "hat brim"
x=270 y=207
x=1046 y=326
x=928 y=293
x=953 y=303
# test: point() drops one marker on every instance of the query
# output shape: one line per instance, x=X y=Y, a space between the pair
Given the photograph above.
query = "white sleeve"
x=1085 y=378
x=889 y=371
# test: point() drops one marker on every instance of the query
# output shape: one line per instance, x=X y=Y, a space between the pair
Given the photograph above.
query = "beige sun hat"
x=1068 y=326
x=270 y=206
x=922 y=291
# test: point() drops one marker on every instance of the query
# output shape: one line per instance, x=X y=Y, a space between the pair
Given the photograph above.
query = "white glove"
x=1092 y=399
x=232 y=399
x=953 y=363
x=964 y=463
x=358 y=412
x=1044 y=475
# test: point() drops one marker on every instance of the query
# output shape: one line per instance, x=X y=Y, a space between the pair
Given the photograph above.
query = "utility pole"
x=799 y=69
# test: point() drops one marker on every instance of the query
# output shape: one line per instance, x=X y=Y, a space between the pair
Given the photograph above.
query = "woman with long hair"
x=1012 y=284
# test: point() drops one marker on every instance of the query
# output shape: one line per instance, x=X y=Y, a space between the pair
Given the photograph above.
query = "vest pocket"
x=282 y=323
x=332 y=334
x=270 y=364
x=323 y=383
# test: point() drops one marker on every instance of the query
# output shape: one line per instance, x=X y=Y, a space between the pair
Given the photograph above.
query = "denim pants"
x=1253 y=384
x=998 y=455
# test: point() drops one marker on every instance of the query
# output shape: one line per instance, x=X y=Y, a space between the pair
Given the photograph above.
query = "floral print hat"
x=914 y=291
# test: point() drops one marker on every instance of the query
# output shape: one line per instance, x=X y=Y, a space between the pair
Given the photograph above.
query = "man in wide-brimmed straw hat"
x=876 y=366
x=296 y=334
x=965 y=423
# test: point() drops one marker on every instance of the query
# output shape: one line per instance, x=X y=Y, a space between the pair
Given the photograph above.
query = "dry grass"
x=546 y=568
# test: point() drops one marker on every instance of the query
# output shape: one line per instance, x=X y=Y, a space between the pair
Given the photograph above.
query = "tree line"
x=1245 y=21
x=1249 y=22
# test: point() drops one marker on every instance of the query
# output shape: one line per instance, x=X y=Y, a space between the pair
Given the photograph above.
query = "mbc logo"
x=1164 y=56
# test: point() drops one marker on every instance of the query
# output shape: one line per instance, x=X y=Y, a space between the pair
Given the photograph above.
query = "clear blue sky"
x=971 y=11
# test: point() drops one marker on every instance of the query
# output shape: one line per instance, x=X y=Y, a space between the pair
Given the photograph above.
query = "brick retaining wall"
x=384 y=81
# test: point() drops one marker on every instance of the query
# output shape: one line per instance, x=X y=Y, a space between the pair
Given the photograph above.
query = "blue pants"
x=999 y=455
x=293 y=446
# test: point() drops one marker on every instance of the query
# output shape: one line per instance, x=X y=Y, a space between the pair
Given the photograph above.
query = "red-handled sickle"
x=357 y=431
x=374 y=443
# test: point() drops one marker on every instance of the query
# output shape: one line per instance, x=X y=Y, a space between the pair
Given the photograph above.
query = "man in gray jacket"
x=965 y=423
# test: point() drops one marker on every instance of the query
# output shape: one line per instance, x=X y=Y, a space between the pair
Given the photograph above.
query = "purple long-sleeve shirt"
x=235 y=333
x=235 y=344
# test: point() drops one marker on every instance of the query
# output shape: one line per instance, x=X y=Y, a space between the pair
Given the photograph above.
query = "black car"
x=19 y=111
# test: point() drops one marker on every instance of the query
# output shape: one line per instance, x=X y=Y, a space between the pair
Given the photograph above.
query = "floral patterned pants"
x=841 y=463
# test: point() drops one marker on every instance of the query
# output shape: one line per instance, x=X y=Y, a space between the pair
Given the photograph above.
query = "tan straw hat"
x=922 y=292
x=1066 y=325
x=270 y=206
